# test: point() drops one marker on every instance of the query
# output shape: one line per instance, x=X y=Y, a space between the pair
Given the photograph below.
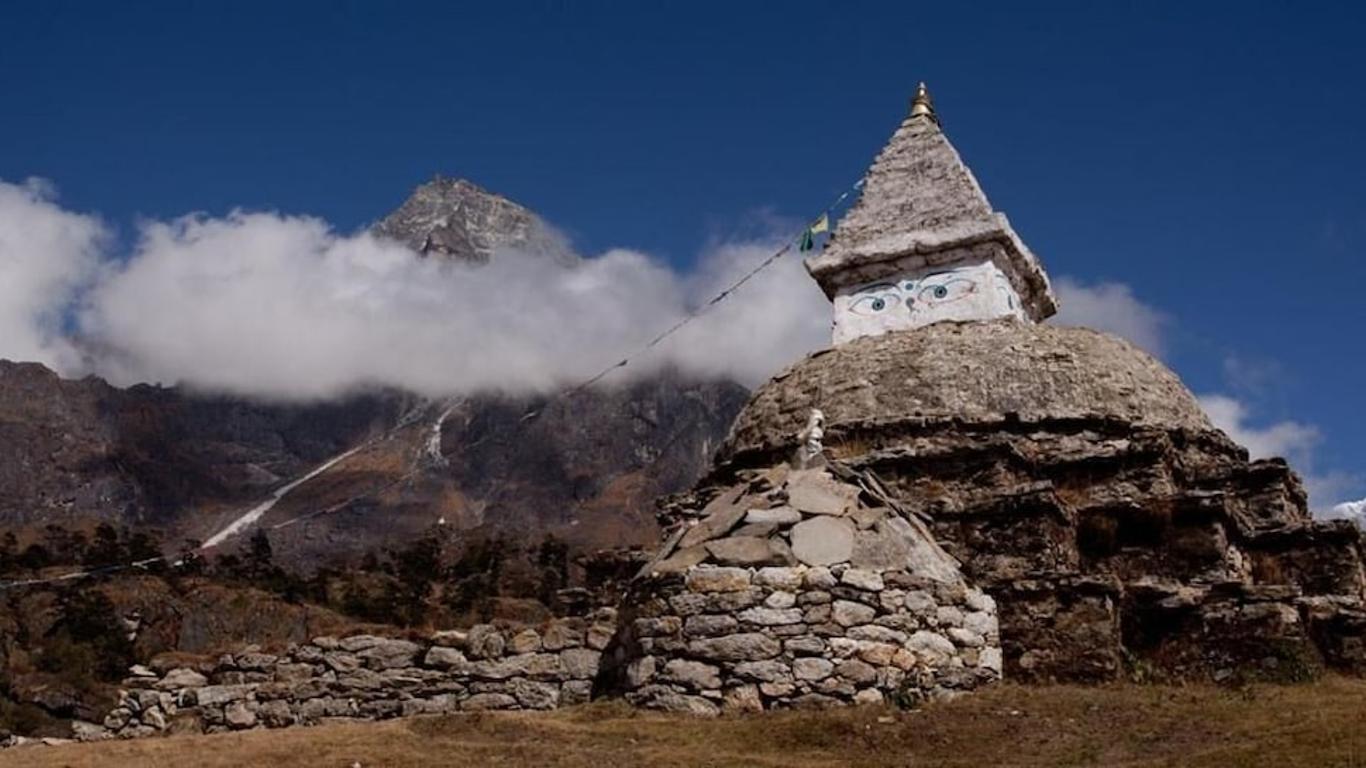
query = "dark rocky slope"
x=188 y=464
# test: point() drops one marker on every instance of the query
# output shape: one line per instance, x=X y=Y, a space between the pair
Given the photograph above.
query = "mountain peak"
x=457 y=219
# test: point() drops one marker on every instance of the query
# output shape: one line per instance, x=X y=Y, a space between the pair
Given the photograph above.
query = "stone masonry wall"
x=756 y=638
x=366 y=677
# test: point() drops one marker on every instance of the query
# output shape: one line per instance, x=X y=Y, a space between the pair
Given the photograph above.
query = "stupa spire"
x=921 y=104
x=923 y=244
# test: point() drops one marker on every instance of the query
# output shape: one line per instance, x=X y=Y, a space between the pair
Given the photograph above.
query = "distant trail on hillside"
x=256 y=512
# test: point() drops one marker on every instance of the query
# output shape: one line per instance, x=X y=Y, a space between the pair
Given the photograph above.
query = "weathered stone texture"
x=921 y=206
x=818 y=632
x=963 y=374
x=1079 y=484
x=370 y=677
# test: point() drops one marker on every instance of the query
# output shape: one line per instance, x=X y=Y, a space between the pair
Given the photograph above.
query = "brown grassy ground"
x=1318 y=725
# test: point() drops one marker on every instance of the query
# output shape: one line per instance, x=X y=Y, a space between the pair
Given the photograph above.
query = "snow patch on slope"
x=257 y=512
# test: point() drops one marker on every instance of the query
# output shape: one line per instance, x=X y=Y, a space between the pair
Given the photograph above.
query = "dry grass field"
x=1319 y=725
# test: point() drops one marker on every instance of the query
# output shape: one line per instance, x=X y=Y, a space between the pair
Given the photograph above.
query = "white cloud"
x=1349 y=510
x=1289 y=439
x=1292 y=440
x=283 y=307
x=1110 y=307
x=47 y=256
x=766 y=325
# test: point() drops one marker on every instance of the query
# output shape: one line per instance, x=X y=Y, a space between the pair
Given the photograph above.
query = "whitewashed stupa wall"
x=919 y=297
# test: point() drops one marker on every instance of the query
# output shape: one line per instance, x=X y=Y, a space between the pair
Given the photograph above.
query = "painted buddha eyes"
x=874 y=303
x=931 y=291
x=952 y=289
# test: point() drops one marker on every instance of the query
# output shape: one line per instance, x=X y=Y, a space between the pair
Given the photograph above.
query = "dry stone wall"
x=366 y=677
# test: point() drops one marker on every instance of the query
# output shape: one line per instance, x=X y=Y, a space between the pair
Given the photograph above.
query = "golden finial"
x=922 y=104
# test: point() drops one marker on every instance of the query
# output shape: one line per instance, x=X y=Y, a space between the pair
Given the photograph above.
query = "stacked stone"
x=800 y=588
x=1081 y=485
x=366 y=677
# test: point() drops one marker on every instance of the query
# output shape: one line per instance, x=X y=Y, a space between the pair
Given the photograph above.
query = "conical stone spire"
x=922 y=244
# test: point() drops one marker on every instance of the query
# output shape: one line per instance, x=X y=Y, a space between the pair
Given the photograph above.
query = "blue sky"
x=1209 y=156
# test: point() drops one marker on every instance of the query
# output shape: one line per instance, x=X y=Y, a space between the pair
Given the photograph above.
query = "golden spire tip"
x=922 y=104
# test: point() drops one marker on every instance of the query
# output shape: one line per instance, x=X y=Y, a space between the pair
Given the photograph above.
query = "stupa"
x=990 y=496
x=923 y=245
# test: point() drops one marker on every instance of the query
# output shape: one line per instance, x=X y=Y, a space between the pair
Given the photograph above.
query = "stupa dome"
x=962 y=373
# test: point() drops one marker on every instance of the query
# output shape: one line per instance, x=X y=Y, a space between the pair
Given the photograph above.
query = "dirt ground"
x=1320 y=725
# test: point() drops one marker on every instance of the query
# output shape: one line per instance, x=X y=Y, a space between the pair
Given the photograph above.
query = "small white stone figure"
x=812 y=450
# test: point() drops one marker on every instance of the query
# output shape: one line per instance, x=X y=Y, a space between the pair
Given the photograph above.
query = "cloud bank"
x=47 y=257
x=1289 y=439
x=284 y=307
x=1349 y=510
x=1294 y=441
x=1110 y=307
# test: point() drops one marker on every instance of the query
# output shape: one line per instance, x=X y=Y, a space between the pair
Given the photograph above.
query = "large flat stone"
x=865 y=517
x=665 y=550
x=239 y=715
x=817 y=493
x=581 y=662
x=759 y=530
x=693 y=674
x=811 y=668
x=681 y=560
x=389 y=654
x=779 y=515
x=181 y=677
x=789 y=579
x=882 y=548
x=217 y=695
x=823 y=541
x=847 y=613
x=445 y=658
x=747 y=646
x=710 y=579
x=924 y=556
x=721 y=515
x=860 y=578
x=745 y=551
x=771 y=616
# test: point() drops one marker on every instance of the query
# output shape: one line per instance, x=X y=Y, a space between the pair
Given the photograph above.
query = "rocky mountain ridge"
x=458 y=220
x=192 y=465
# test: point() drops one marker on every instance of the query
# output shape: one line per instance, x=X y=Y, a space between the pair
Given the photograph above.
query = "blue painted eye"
x=874 y=303
x=952 y=289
